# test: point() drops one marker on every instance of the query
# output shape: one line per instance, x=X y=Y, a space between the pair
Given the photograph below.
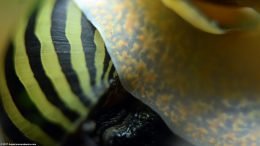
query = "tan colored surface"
x=206 y=87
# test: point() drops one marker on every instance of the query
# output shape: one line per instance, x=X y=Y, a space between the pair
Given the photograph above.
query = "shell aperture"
x=215 y=18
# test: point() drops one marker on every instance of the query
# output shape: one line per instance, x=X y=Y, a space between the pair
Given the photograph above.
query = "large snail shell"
x=206 y=87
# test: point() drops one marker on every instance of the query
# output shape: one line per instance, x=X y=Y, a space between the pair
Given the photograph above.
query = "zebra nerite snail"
x=56 y=68
x=204 y=86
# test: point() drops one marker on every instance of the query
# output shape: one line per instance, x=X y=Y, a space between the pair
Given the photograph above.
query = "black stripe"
x=111 y=73
x=106 y=64
x=33 y=49
x=24 y=104
x=62 y=47
x=87 y=38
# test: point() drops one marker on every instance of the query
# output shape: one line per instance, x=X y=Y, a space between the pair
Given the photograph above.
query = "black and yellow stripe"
x=56 y=69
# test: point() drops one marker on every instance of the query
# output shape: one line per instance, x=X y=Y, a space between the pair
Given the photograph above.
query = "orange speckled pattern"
x=205 y=87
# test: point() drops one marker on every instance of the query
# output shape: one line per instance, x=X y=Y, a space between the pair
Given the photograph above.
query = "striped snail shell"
x=56 y=69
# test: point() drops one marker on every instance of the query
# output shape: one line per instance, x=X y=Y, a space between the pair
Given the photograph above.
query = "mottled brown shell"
x=206 y=87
